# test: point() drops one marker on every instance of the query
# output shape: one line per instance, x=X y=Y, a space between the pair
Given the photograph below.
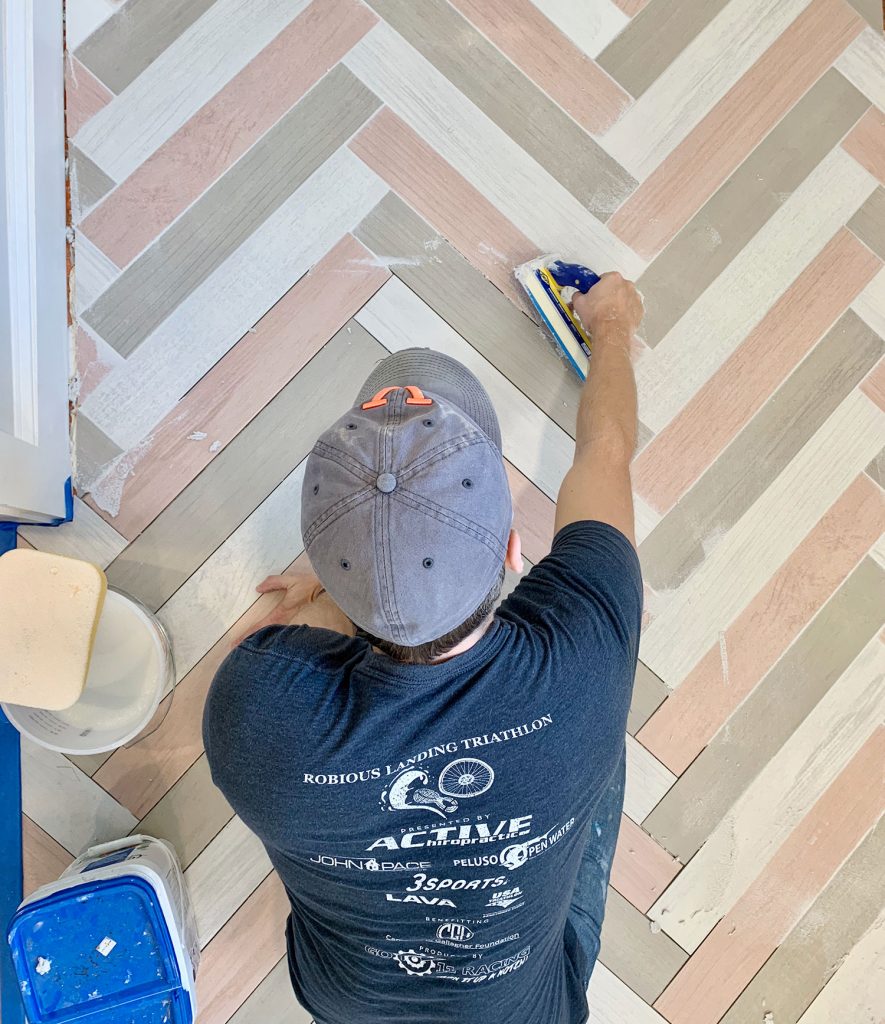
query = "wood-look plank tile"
x=445 y=199
x=771 y=713
x=757 y=189
x=591 y=26
x=83 y=18
x=225 y=978
x=645 y=960
x=866 y=142
x=273 y=1001
x=641 y=869
x=185 y=75
x=871 y=10
x=550 y=58
x=138 y=776
x=876 y=469
x=254 y=188
x=266 y=358
x=472 y=306
x=869 y=223
x=94 y=361
x=93 y=274
x=43 y=859
x=809 y=956
x=870 y=307
x=93 y=450
x=484 y=76
x=631 y=7
x=759 y=452
x=608 y=998
x=121 y=48
x=649 y=693
x=677 y=638
x=88 y=763
x=676 y=457
x=478 y=149
x=647 y=781
x=654 y=39
x=845 y=721
x=764 y=630
x=87 y=536
x=533 y=514
x=245 y=472
x=717 y=58
x=223 y=130
x=669 y=374
x=89 y=183
x=190 y=815
x=745 y=937
x=221 y=311
x=84 y=95
x=863 y=63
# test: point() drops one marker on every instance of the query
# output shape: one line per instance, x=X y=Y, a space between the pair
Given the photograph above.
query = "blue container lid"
x=99 y=952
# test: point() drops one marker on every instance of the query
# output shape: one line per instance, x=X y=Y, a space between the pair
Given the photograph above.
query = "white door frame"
x=35 y=458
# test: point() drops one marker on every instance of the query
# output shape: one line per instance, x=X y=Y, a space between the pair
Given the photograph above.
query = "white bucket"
x=129 y=671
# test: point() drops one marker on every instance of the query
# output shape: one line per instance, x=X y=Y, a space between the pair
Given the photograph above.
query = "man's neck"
x=467 y=642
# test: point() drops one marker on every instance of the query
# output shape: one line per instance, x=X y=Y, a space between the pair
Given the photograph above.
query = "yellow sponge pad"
x=49 y=611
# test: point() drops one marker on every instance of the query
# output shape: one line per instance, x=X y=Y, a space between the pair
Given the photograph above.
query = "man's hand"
x=612 y=301
x=303 y=602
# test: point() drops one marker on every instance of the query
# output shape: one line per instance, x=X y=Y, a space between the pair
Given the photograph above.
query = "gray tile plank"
x=679 y=543
x=869 y=223
x=806 y=960
x=649 y=693
x=511 y=100
x=88 y=763
x=122 y=47
x=876 y=469
x=872 y=10
x=756 y=190
x=89 y=183
x=242 y=475
x=644 y=960
x=184 y=256
x=692 y=808
x=653 y=40
x=93 y=450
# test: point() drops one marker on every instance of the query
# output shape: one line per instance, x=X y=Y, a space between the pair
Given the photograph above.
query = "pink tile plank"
x=641 y=869
x=221 y=131
x=873 y=385
x=866 y=142
x=742 y=941
x=241 y=955
x=139 y=776
x=684 y=724
x=42 y=857
x=631 y=7
x=474 y=226
x=246 y=379
x=550 y=59
x=533 y=514
x=674 y=459
x=84 y=95
x=677 y=189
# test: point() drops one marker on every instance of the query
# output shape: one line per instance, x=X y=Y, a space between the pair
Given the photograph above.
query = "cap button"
x=386 y=482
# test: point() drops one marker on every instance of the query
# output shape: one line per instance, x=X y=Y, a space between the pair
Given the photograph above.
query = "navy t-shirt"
x=428 y=821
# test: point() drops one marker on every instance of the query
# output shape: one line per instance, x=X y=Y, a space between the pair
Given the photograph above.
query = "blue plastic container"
x=107 y=943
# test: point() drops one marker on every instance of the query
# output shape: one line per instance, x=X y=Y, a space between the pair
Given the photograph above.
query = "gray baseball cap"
x=405 y=508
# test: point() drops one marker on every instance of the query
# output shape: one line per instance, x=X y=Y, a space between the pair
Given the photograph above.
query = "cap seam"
x=452 y=519
x=433 y=456
x=345 y=459
x=334 y=512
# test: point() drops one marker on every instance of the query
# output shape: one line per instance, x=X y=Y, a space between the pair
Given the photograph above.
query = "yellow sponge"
x=49 y=611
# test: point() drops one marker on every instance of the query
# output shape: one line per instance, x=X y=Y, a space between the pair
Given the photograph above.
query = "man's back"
x=428 y=821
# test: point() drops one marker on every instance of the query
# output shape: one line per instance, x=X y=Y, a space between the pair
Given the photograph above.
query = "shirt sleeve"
x=588 y=589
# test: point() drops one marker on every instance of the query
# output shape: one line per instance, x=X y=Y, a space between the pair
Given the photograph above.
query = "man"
x=441 y=792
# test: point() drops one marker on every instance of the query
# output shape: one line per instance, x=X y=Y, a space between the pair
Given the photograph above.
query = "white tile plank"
x=696 y=80
x=591 y=26
x=201 y=61
x=273 y=1002
x=66 y=803
x=477 y=148
x=646 y=518
x=762 y=539
x=863 y=64
x=647 y=781
x=82 y=18
x=540 y=449
x=779 y=797
x=856 y=992
x=87 y=536
x=233 y=298
x=224 y=875
x=669 y=374
x=218 y=593
x=93 y=272
x=870 y=304
x=613 y=1002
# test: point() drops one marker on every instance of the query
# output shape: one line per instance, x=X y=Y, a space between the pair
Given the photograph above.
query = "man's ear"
x=513 y=560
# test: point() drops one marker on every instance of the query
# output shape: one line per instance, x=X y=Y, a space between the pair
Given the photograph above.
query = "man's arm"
x=598 y=484
x=302 y=602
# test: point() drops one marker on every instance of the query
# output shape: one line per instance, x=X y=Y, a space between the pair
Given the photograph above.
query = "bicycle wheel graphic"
x=466 y=777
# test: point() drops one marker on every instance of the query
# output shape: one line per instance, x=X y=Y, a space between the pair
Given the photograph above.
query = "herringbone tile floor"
x=269 y=195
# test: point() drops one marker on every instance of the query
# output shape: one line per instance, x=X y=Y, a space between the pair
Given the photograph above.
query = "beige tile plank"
x=742 y=473
x=610 y=1001
x=869 y=223
x=649 y=693
x=244 y=473
x=754 y=192
x=214 y=227
x=648 y=781
x=273 y=1001
x=770 y=715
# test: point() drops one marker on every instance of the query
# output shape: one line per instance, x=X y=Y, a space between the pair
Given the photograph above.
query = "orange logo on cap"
x=416 y=397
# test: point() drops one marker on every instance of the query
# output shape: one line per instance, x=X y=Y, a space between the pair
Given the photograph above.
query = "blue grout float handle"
x=572 y=275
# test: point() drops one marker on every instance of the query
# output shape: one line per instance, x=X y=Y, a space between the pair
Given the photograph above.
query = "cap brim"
x=438 y=374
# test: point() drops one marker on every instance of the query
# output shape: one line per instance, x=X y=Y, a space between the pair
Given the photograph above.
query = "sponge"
x=49 y=611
